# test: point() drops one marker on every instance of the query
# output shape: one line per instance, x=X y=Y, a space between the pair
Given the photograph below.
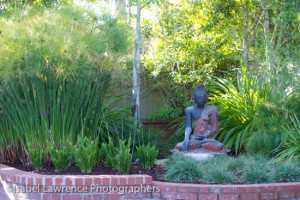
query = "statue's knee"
x=179 y=146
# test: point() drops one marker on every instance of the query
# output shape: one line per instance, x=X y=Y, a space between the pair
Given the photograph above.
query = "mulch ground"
x=156 y=172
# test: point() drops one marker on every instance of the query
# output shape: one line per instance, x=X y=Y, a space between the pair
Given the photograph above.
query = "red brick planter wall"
x=227 y=192
x=96 y=187
x=33 y=186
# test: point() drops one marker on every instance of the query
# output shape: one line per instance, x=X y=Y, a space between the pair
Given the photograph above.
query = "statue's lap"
x=205 y=145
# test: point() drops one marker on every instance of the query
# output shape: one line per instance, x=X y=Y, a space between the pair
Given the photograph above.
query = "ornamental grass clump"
x=85 y=153
x=257 y=174
x=183 y=169
x=218 y=174
x=287 y=172
x=258 y=169
x=236 y=165
x=216 y=170
x=224 y=169
x=147 y=155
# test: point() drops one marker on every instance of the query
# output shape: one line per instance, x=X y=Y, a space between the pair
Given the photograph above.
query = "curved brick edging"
x=79 y=187
x=227 y=192
x=14 y=178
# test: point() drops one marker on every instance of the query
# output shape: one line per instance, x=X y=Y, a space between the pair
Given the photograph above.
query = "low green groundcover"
x=224 y=169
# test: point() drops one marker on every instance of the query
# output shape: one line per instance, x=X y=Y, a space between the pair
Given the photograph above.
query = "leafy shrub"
x=117 y=157
x=37 y=155
x=85 y=153
x=123 y=157
x=109 y=151
x=61 y=156
x=183 y=168
x=147 y=155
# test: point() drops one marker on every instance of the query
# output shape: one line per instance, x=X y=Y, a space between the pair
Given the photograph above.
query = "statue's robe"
x=207 y=121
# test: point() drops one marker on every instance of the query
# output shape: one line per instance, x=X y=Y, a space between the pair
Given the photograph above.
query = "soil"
x=156 y=172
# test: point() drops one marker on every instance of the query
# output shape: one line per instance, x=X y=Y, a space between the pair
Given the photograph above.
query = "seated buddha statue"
x=205 y=118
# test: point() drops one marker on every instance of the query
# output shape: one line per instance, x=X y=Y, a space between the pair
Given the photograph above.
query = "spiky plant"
x=290 y=147
x=237 y=107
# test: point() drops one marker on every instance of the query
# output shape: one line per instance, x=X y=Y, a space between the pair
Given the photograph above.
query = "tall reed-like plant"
x=38 y=107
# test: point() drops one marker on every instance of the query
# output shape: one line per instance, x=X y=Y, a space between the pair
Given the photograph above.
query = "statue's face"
x=200 y=98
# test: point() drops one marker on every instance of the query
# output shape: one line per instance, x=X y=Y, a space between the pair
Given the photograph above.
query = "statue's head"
x=200 y=95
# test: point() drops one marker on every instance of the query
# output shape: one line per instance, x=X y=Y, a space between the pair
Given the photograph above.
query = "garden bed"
x=14 y=178
x=156 y=172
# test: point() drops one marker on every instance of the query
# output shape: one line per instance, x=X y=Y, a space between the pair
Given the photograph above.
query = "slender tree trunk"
x=136 y=68
x=269 y=60
x=245 y=50
x=245 y=32
x=113 y=8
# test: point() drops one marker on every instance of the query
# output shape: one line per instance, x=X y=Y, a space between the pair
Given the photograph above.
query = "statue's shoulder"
x=189 y=109
x=211 y=108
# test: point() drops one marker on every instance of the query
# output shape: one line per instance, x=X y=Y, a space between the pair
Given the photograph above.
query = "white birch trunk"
x=268 y=40
x=136 y=68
